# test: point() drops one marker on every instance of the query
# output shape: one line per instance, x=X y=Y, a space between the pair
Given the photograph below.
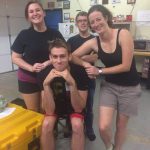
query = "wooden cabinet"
x=142 y=53
x=126 y=25
x=140 y=56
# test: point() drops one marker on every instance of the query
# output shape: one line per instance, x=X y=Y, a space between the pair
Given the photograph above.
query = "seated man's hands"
x=64 y=74
x=53 y=74
x=67 y=76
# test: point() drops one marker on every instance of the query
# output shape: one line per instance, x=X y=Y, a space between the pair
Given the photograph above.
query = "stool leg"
x=56 y=129
x=68 y=128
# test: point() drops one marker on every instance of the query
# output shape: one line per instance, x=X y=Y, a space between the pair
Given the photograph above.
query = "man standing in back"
x=75 y=42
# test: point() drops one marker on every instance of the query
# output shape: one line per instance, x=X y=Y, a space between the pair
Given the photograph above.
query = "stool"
x=65 y=124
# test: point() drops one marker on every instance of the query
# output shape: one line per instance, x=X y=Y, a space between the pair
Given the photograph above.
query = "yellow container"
x=20 y=130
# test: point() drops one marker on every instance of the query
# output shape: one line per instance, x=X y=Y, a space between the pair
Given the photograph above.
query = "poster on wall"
x=66 y=17
x=104 y=2
x=66 y=4
x=143 y=18
x=51 y=5
x=99 y=2
x=131 y=1
x=116 y=1
x=93 y=2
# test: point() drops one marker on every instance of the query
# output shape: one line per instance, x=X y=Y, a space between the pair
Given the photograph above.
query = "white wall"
x=11 y=22
x=11 y=26
x=119 y=8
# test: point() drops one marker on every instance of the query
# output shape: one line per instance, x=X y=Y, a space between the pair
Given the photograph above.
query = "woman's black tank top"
x=129 y=78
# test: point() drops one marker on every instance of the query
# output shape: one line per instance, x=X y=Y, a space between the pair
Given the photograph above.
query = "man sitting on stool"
x=65 y=93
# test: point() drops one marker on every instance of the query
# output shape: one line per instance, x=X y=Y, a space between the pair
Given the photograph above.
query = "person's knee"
x=47 y=126
x=122 y=122
x=121 y=125
x=103 y=128
x=77 y=127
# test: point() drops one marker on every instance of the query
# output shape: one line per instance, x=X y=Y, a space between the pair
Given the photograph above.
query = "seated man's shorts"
x=72 y=115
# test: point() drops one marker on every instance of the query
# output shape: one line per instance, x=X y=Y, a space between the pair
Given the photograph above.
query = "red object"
x=129 y=17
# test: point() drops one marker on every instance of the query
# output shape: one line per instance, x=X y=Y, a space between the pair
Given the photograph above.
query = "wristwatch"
x=100 y=71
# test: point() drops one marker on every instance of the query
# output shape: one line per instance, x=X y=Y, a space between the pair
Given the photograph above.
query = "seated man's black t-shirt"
x=61 y=90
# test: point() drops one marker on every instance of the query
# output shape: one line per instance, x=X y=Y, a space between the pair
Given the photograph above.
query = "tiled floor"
x=138 y=137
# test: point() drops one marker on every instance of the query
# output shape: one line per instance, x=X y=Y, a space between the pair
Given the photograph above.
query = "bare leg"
x=78 y=138
x=47 y=136
x=42 y=104
x=121 y=128
x=105 y=122
x=32 y=101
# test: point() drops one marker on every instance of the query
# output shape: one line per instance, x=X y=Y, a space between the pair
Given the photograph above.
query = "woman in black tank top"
x=115 y=50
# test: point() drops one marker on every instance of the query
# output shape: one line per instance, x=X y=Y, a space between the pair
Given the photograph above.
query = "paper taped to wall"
x=143 y=18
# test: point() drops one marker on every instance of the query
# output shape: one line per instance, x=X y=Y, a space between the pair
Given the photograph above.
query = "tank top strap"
x=98 y=42
x=118 y=34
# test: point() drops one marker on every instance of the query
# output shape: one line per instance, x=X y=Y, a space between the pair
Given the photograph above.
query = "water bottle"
x=3 y=103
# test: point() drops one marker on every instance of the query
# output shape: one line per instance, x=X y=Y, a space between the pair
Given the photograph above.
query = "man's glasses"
x=80 y=21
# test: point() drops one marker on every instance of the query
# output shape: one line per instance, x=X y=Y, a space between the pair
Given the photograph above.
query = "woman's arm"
x=83 y=50
x=126 y=43
x=17 y=59
x=91 y=58
x=47 y=63
x=86 y=48
x=79 y=61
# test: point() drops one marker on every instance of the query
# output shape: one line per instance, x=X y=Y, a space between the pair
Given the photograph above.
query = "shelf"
x=141 y=53
x=122 y=22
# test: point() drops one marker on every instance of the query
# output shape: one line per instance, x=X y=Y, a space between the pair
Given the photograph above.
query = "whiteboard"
x=16 y=7
x=15 y=67
x=143 y=15
x=4 y=45
x=2 y=8
x=3 y=26
x=12 y=21
x=4 y=38
x=5 y=63
x=17 y=24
